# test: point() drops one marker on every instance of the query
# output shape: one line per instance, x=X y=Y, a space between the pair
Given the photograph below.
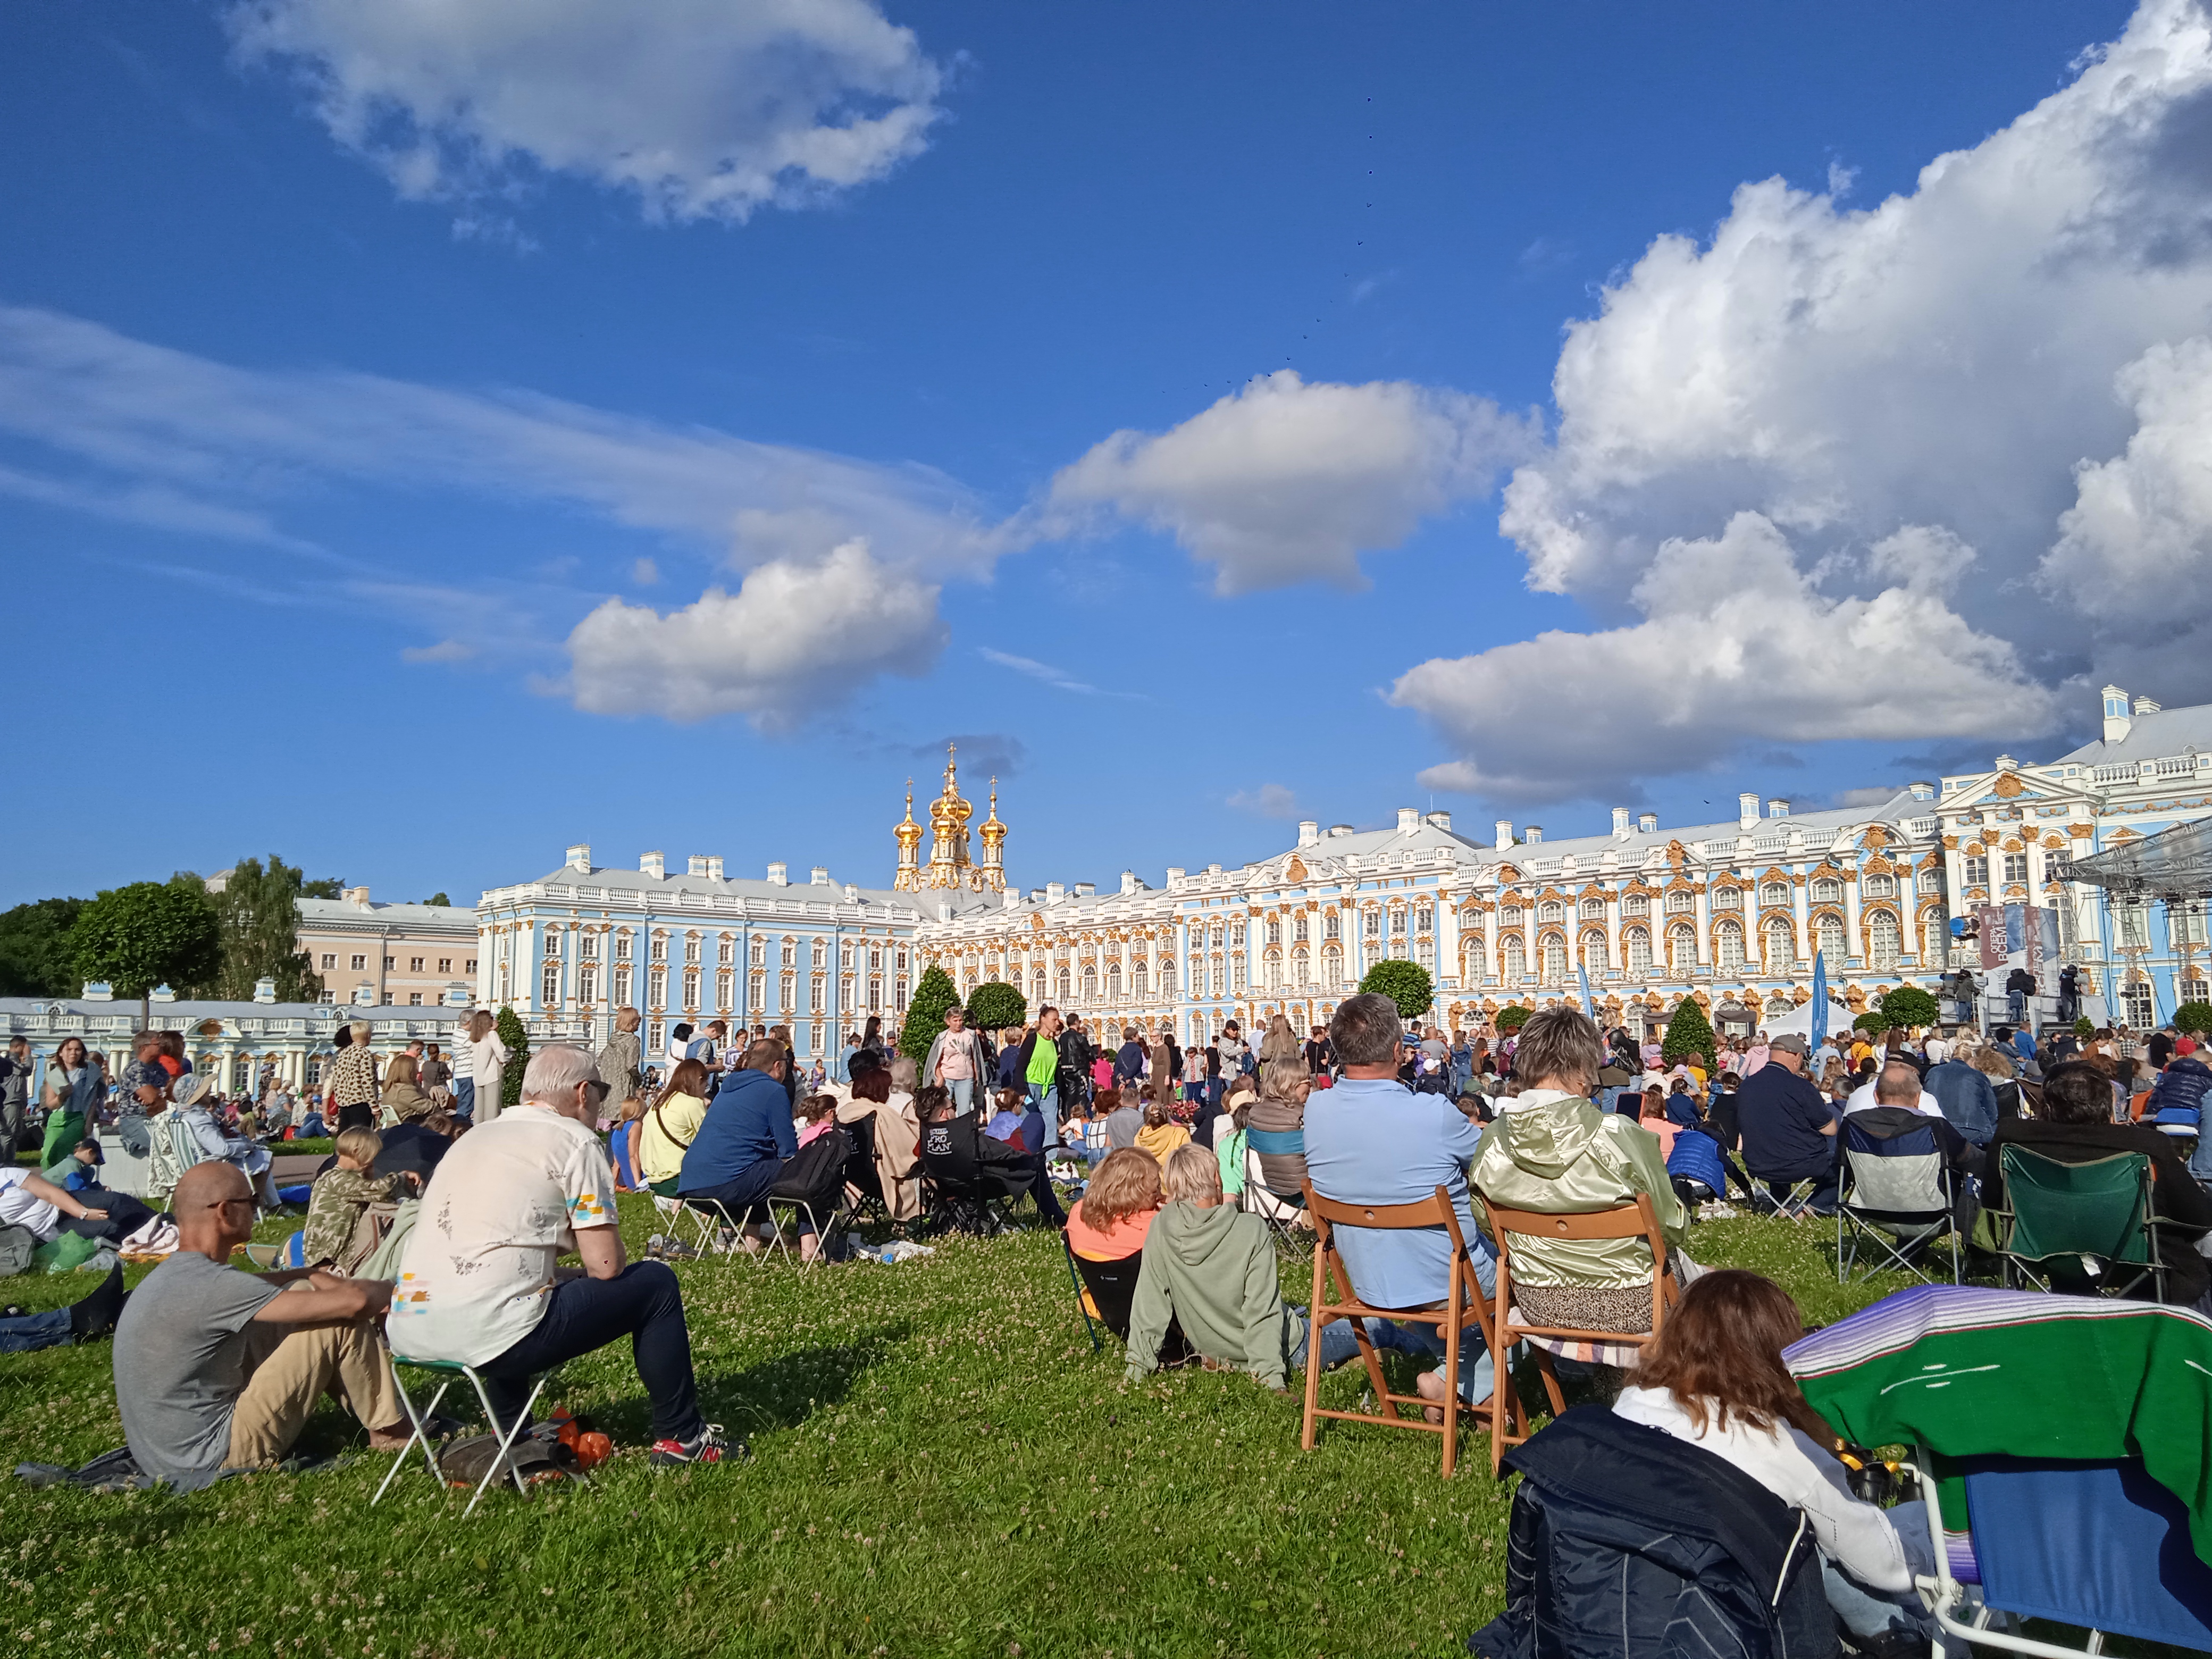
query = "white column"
x=1853 y=945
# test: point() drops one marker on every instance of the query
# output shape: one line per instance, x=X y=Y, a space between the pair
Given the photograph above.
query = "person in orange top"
x=1655 y=1119
x=1110 y=1220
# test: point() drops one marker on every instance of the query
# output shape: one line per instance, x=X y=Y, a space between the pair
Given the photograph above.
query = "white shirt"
x=487 y=1067
x=501 y=1209
x=1857 y=1536
x=1863 y=1099
x=20 y=1207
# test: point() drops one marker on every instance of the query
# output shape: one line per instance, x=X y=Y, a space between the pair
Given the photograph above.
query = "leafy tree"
x=1872 y=1021
x=1689 y=1034
x=36 y=957
x=1510 y=1018
x=258 y=912
x=925 y=1013
x=1405 y=983
x=148 y=933
x=997 y=1007
x=438 y=899
x=510 y=1033
x=1908 y=1005
x=2085 y=1028
x=2193 y=1019
x=328 y=887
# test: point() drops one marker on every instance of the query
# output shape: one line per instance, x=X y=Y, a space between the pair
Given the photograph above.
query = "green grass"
x=940 y=1467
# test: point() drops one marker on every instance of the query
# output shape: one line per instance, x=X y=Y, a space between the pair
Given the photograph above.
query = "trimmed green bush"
x=997 y=1007
x=1405 y=983
x=2193 y=1019
x=1510 y=1018
x=1908 y=1005
x=934 y=998
x=1689 y=1034
x=511 y=1032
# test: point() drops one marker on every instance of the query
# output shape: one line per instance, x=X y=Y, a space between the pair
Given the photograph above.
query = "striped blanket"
x=1963 y=1372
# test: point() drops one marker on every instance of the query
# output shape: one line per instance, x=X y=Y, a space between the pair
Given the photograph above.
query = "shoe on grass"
x=709 y=1446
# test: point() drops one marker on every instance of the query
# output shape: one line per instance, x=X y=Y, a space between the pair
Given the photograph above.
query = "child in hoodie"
x=1210 y=1267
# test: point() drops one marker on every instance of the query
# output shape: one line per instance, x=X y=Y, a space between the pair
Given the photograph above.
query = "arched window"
x=1829 y=932
x=1936 y=937
x=1553 y=960
x=1884 y=941
x=1636 y=947
x=1775 y=895
x=1681 y=902
x=1473 y=959
x=1593 y=909
x=1089 y=983
x=1331 y=964
x=1516 y=962
x=1781 y=946
x=1681 y=948
x=1827 y=891
x=1636 y=904
x=1167 y=977
x=1036 y=986
x=1330 y=927
x=1272 y=967
x=1595 y=955
x=1137 y=975
x=1301 y=967
x=1113 y=982
x=1300 y=933
x=1550 y=910
x=1063 y=983
x=1727 y=898
x=1728 y=947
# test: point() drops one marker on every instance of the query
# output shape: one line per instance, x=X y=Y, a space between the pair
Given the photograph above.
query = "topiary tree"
x=1689 y=1034
x=1909 y=1006
x=1405 y=983
x=997 y=1007
x=2193 y=1019
x=1510 y=1018
x=1873 y=1021
x=149 y=933
x=933 y=999
x=2085 y=1028
x=511 y=1032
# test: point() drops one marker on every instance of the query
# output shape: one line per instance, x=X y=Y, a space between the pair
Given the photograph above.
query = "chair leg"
x=420 y=1421
x=1451 y=1392
x=1551 y=1381
x=505 y=1437
x=1309 y=1426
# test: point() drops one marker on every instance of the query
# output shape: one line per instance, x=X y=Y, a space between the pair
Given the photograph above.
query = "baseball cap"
x=1788 y=1043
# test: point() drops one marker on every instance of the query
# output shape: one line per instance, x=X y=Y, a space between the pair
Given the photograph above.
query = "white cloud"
x=444 y=651
x=1269 y=800
x=1933 y=368
x=185 y=442
x=646 y=573
x=703 y=109
x=1736 y=644
x=1287 y=481
x=792 y=639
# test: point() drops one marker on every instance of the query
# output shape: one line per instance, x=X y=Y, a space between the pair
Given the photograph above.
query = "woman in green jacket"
x=1552 y=1151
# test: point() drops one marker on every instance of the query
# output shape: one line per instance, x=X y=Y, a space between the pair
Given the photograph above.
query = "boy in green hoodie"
x=1211 y=1268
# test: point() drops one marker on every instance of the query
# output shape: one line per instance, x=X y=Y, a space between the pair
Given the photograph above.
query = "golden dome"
x=993 y=832
x=909 y=833
x=948 y=808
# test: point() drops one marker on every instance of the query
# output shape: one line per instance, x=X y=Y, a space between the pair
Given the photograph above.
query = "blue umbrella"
x=1819 y=998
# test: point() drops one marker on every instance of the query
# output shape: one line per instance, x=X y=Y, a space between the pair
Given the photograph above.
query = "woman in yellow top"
x=1162 y=1134
x=670 y=1123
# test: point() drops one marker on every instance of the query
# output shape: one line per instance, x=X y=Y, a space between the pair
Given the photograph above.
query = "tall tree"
x=149 y=933
x=925 y=1014
x=258 y=911
x=324 y=887
x=36 y=957
x=1689 y=1034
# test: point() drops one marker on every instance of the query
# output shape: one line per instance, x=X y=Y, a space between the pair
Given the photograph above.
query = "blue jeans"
x=465 y=1096
x=1339 y=1343
x=1869 y=1613
x=964 y=1092
x=2016 y=1006
x=1045 y=1097
x=642 y=1302
x=27 y=1333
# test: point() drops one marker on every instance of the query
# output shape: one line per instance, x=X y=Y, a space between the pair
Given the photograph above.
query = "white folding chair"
x=446 y=1370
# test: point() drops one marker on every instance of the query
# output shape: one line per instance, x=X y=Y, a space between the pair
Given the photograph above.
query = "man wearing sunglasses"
x=479 y=1283
x=217 y=1370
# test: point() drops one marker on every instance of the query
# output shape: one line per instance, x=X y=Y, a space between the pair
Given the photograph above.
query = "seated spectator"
x=743 y=1141
x=621 y=1144
x=312 y=1127
x=219 y=1369
x=1721 y=1121
x=1111 y=1221
x=2176 y=1105
x=194 y=1137
x=1210 y=1268
x=479 y=1284
x=1125 y=1120
x=340 y=1199
x=79 y=1172
x=1789 y=1131
x=1964 y=1095
x=667 y=1128
x=1162 y=1134
x=404 y=1100
x=1653 y=1120
x=944 y=1131
x=819 y=1114
x=1995 y=1064
x=2076 y=1128
x=897 y=1135
x=1232 y=1135
x=1681 y=1106
x=1371 y=1140
x=1005 y=1122
x=1554 y=1151
x=84 y=1319
x=1896 y=1111
x=1274 y=1128
x=1715 y=1378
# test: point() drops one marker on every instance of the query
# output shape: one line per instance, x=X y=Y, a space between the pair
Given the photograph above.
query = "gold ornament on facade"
x=2009 y=786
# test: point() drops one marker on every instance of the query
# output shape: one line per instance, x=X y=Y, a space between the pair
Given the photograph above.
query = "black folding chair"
x=864 y=1183
x=1106 y=1294
x=966 y=1194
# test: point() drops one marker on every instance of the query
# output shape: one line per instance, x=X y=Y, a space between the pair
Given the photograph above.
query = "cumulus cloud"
x=1736 y=643
x=701 y=109
x=2009 y=357
x=1288 y=481
x=791 y=640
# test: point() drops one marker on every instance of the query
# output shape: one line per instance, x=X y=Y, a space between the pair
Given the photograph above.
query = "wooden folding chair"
x=1635 y=1221
x=1464 y=1306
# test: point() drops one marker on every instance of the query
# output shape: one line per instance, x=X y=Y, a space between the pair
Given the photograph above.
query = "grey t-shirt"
x=1121 y=1126
x=180 y=1364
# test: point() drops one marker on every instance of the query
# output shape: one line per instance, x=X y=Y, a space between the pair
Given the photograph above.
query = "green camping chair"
x=2081 y=1229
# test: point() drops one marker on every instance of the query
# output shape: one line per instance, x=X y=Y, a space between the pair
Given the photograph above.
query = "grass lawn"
x=940 y=1467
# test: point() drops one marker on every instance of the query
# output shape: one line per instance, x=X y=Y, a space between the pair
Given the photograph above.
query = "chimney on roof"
x=2119 y=718
x=1308 y=831
x=780 y=873
x=265 y=989
x=1647 y=823
x=1054 y=892
x=653 y=865
x=1534 y=835
x=1922 y=789
x=1441 y=820
x=1128 y=881
x=580 y=858
x=1086 y=889
x=1746 y=809
x=1620 y=823
x=1777 y=808
x=358 y=897
x=713 y=867
x=1409 y=817
x=696 y=865
x=852 y=892
x=818 y=876
x=1504 y=834
x=2145 y=705
x=2006 y=763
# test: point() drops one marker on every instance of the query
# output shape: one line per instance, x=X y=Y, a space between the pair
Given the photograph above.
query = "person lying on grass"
x=1211 y=1268
x=219 y=1369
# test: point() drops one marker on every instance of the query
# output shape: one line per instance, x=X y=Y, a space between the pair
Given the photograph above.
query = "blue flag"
x=1819 y=998
x=1589 y=1003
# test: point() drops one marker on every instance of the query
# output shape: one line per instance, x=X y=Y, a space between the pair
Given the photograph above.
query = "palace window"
x=2015 y=867
x=330 y=960
x=1595 y=953
x=1828 y=931
x=1877 y=887
x=1637 y=944
x=1331 y=964
x=1775 y=895
x=414 y=964
x=757 y=992
x=659 y=952
x=876 y=993
x=1299 y=932
x=1593 y=909
x=1554 y=960
x=1727 y=898
x=1680 y=903
x=1728 y=947
x=1636 y=904
x=1374 y=923
x=1511 y=916
x=1781 y=946
x=621 y=946
x=845 y=956
x=788 y=986
x=845 y=991
x=691 y=947
x=1137 y=976
x=587 y=983
x=1275 y=931
x=1424 y=920
x=1550 y=910
x=2136 y=998
x=656 y=994
x=1936 y=940
x=1114 y=981
x=725 y=949
x=790 y=955
x=552 y=944
x=2185 y=924
x=622 y=984
x=1167 y=979
x=726 y=989
x=1884 y=943
x=587 y=947
x=1976 y=868
x=551 y=986
x=1827 y=891
x=1328 y=927
x=1398 y=925
x=2135 y=925
x=387 y=964
x=1273 y=970
x=1089 y=983
x=1220 y=978
x=361 y=962
x=1682 y=948
x=1237 y=973
x=503 y=996
x=690 y=988
x=1516 y=961
x=1216 y=941
x=1301 y=967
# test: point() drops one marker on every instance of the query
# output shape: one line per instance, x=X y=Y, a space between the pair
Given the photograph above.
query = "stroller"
x=2059 y=1443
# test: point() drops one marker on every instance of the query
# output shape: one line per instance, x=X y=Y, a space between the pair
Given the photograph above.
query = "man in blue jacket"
x=1968 y=1098
x=740 y=1150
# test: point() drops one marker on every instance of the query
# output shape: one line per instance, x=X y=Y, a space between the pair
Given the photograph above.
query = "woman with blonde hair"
x=1161 y=1134
x=404 y=1100
x=482 y=1090
x=352 y=1090
x=1281 y=1047
x=1111 y=1221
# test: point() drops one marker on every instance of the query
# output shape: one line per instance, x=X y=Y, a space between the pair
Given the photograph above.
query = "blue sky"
x=382 y=389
